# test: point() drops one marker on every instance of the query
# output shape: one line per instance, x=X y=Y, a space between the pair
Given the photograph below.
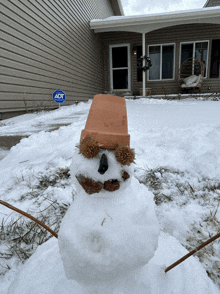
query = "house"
x=210 y=3
x=85 y=47
x=168 y=39
x=48 y=46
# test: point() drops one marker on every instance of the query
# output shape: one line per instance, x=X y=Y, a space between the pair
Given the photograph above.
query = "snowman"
x=111 y=229
x=109 y=241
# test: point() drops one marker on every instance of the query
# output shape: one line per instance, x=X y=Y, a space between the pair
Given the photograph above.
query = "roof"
x=150 y=22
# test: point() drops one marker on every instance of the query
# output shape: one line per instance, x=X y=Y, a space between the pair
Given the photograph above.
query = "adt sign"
x=59 y=96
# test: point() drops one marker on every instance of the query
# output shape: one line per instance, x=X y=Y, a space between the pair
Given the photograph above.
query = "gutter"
x=171 y=17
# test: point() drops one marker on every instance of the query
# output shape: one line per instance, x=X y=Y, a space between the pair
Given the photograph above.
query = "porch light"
x=135 y=50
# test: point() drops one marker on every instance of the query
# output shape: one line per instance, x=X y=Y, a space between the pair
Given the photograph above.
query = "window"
x=162 y=58
x=195 y=50
x=120 y=67
x=215 y=59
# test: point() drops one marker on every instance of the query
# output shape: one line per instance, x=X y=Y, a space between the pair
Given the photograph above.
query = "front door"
x=120 y=67
x=215 y=59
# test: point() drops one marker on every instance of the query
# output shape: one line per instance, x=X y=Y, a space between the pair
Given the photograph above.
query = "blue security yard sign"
x=59 y=96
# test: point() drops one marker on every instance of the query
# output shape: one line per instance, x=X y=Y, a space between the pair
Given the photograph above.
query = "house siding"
x=212 y=3
x=47 y=45
x=176 y=35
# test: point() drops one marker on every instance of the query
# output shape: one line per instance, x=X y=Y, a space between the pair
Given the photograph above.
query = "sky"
x=137 y=7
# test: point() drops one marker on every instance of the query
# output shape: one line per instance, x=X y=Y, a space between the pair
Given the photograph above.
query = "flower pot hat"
x=107 y=122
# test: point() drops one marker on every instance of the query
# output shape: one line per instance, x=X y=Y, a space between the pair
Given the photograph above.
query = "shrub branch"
x=192 y=252
x=29 y=216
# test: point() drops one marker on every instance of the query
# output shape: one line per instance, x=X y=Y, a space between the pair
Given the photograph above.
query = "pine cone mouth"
x=90 y=186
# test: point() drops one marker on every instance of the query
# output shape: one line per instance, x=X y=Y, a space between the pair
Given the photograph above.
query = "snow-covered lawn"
x=177 y=145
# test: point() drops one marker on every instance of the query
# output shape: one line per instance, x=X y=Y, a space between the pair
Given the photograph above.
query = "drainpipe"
x=143 y=63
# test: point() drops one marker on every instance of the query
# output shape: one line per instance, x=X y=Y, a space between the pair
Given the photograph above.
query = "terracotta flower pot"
x=107 y=121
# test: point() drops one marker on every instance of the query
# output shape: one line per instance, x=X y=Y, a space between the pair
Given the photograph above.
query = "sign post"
x=59 y=96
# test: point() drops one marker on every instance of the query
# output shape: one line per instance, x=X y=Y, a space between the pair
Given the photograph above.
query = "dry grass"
x=20 y=236
x=205 y=192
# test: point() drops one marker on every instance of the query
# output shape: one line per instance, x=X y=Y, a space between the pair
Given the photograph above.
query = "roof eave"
x=139 y=23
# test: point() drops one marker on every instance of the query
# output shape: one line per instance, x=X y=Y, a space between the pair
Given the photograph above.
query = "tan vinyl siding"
x=47 y=45
x=176 y=34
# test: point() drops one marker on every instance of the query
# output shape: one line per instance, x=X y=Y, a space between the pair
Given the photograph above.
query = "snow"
x=177 y=145
x=168 y=13
x=3 y=152
x=179 y=134
x=30 y=123
x=187 y=277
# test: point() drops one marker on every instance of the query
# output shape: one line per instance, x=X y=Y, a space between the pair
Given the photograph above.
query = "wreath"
x=148 y=61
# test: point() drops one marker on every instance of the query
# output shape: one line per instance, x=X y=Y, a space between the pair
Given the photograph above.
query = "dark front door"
x=215 y=59
x=120 y=67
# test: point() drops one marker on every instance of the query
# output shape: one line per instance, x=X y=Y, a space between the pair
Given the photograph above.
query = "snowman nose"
x=103 y=166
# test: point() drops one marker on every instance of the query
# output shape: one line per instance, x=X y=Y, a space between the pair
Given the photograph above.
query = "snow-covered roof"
x=149 y=22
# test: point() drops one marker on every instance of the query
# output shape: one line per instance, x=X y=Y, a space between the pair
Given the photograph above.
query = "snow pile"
x=105 y=240
x=30 y=123
x=188 y=209
x=177 y=158
x=3 y=152
x=189 y=277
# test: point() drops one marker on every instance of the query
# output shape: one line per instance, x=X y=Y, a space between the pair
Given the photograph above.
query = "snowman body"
x=107 y=235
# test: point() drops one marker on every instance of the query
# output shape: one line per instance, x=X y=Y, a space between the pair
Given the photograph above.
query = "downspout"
x=143 y=63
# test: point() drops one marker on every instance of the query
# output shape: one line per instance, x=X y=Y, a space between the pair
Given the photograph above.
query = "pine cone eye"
x=124 y=155
x=89 y=147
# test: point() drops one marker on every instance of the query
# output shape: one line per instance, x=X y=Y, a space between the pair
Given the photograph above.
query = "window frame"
x=194 y=49
x=119 y=68
x=161 y=54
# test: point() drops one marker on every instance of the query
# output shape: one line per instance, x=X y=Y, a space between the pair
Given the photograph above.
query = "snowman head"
x=104 y=161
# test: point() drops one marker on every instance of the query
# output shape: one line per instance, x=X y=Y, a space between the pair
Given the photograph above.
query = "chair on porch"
x=187 y=81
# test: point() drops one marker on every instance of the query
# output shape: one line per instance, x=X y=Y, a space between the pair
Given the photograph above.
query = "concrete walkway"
x=6 y=142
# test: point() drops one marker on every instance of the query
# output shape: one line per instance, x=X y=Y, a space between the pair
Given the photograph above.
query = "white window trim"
x=174 y=52
x=128 y=67
x=194 y=46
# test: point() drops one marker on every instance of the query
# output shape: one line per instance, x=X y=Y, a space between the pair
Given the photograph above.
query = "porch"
x=168 y=40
